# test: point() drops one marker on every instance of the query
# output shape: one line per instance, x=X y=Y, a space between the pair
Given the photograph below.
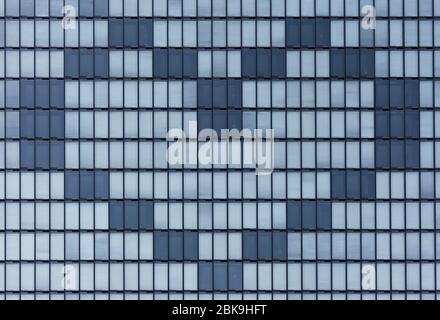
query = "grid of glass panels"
x=90 y=209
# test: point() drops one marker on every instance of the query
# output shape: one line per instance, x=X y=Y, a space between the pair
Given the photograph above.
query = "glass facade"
x=91 y=209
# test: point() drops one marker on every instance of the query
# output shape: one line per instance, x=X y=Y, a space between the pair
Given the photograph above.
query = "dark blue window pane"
x=190 y=62
x=382 y=94
x=86 y=60
x=204 y=93
x=396 y=93
x=235 y=276
x=71 y=63
x=294 y=215
x=101 y=63
x=101 y=8
x=412 y=154
x=263 y=62
x=175 y=63
x=279 y=63
x=412 y=124
x=116 y=215
x=353 y=184
x=57 y=93
x=338 y=184
x=57 y=154
x=382 y=154
x=249 y=62
x=279 y=247
x=176 y=245
x=220 y=121
x=309 y=215
x=145 y=33
x=412 y=93
x=368 y=185
x=220 y=276
x=397 y=124
x=293 y=33
x=161 y=245
x=337 y=63
x=234 y=120
x=367 y=63
x=27 y=124
x=57 y=124
x=115 y=32
x=322 y=32
x=249 y=245
x=205 y=276
x=220 y=93
x=71 y=185
x=42 y=124
x=397 y=154
x=160 y=67
x=308 y=33
x=42 y=98
x=27 y=93
x=324 y=215
x=86 y=185
x=352 y=63
x=234 y=93
x=264 y=245
x=190 y=245
x=131 y=215
x=382 y=124
x=130 y=33
x=27 y=151
x=146 y=215
x=101 y=184
x=204 y=120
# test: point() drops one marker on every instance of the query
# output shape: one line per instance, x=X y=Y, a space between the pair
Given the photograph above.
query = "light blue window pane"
x=130 y=8
x=204 y=34
x=12 y=33
x=12 y=94
x=56 y=7
x=410 y=8
x=322 y=7
x=12 y=8
x=381 y=7
x=219 y=33
x=219 y=8
x=204 y=8
x=396 y=9
x=425 y=31
x=249 y=39
x=189 y=8
x=41 y=33
x=248 y=7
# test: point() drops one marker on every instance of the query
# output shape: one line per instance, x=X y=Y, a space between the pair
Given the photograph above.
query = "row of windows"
x=218 y=295
x=44 y=155
x=191 y=246
x=219 y=33
x=219 y=185
x=382 y=94
x=208 y=8
x=45 y=124
x=147 y=215
x=218 y=276
x=176 y=63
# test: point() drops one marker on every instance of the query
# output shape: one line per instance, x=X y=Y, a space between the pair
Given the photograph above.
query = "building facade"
x=90 y=208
